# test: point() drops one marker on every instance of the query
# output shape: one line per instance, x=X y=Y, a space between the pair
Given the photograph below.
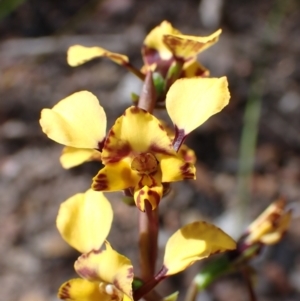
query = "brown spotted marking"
x=100 y=182
x=186 y=171
x=136 y=110
x=64 y=292
x=155 y=196
x=145 y=163
x=159 y=150
x=116 y=152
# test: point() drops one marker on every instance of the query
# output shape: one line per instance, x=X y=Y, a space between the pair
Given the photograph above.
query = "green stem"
x=248 y=145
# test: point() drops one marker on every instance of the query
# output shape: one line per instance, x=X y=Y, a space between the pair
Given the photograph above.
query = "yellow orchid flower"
x=138 y=155
x=270 y=226
x=84 y=221
x=166 y=52
x=165 y=45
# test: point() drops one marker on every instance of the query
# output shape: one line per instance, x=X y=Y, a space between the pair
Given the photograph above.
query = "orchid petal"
x=78 y=55
x=114 y=177
x=187 y=47
x=191 y=101
x=194 y=242
x=81 y=290
x=84 y=220
x=78 y=121
x=107 y=266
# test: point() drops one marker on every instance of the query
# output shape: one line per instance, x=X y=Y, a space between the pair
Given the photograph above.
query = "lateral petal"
x=191 y=101
x=194 y=242
x=176 y=169
x=78 y=55
x=114 y=177
x=78 y=121
x=84 y=220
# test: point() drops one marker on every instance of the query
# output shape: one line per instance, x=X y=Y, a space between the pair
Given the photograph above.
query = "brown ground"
x=260 y=43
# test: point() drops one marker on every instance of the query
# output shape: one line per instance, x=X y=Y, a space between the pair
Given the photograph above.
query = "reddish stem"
x=149 y=224
x=148 y=286
x=148 y=220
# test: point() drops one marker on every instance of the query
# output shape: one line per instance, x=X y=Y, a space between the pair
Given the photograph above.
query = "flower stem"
x=148 y=227
x=147 y=98
x=149 y=285
x=148 y=220
x=249 y=285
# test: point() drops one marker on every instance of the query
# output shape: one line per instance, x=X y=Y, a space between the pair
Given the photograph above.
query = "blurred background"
x=248 y=155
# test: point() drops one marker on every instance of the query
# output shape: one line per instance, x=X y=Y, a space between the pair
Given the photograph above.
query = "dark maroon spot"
x=154 y=195
x=64 y=292
x=101 y=176
x=135 y=110
x=116 y=153
x=161 y=127
x=101 y=145
x=87 y=273
x=186 y=172
x=100 y=182
x=130 y=273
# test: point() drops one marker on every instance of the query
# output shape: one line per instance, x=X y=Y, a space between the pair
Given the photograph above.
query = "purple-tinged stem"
x=148 y=220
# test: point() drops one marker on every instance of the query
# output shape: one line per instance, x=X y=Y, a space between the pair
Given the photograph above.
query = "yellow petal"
x=269 y=227
x=152 y=195
x=84 y=220
x=191 y=101
x=81 y=290
x=72 y=156
x=187 y=47
x=107 y=266
x=137 y=131
x=193 y=242
x=78 y=55
x=114 y=177
x=193 y=68
x=176 y=169
x=154 y=41
x=77 y=121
